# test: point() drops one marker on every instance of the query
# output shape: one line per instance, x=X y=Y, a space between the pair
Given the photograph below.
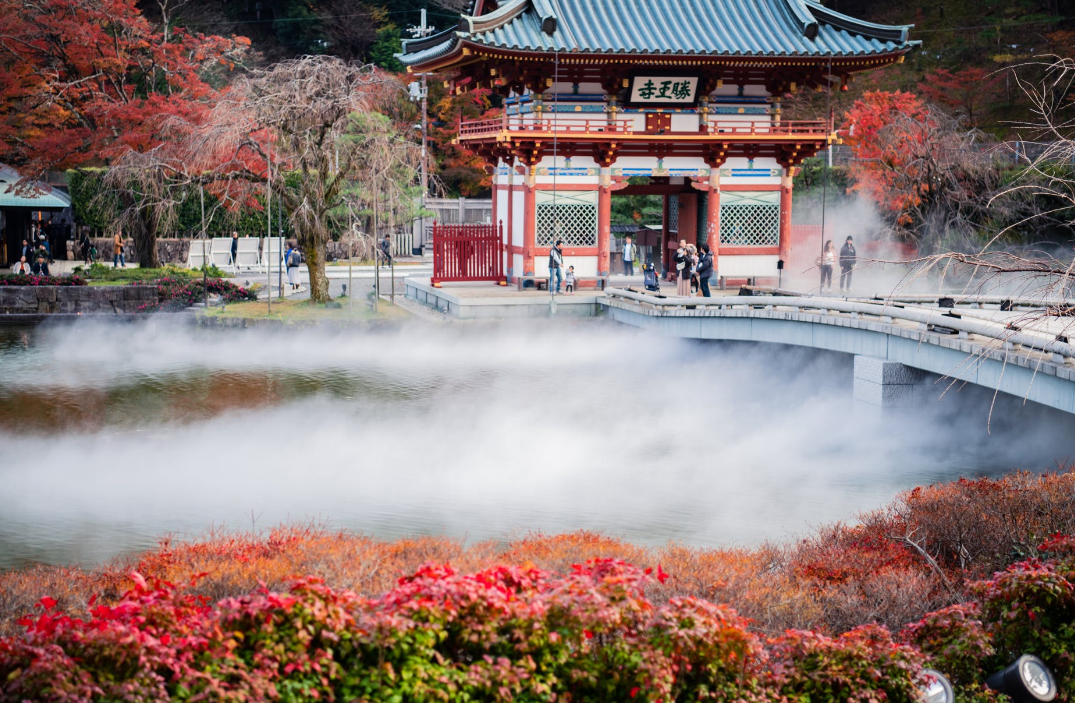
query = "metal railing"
x=885 y=312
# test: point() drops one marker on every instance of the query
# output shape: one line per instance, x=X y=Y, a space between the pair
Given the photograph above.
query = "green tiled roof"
x=719 y=28
x=40 y=197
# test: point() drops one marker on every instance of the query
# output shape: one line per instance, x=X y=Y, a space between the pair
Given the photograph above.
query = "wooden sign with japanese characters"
x=669 y=91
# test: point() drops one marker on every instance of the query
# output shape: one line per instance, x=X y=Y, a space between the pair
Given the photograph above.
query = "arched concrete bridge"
x=1019 y=349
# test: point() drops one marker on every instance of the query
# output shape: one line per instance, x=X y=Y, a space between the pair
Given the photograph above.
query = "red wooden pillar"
x=604 y=229
x=529 y=227
x=712 y=220
x=785 y=214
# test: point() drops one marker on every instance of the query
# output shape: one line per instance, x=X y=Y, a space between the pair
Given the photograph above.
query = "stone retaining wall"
x=26 y=300
x=170 y=251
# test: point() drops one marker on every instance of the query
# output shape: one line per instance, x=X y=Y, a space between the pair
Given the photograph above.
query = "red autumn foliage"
x=82 y=80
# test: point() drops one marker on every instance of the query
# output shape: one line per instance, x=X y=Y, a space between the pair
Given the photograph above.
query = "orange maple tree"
x=923 y=170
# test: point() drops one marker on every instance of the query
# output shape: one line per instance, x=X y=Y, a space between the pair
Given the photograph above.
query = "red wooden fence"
x=467 y=253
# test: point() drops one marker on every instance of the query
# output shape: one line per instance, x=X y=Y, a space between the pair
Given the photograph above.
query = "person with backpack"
x=294 y=260
x=556 y=264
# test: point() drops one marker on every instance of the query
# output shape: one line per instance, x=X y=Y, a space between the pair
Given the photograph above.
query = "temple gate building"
x=684 y=92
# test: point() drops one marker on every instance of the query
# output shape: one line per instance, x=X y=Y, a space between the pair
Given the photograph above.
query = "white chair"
x=248 y=255
x=197 y=259
x=220 y=252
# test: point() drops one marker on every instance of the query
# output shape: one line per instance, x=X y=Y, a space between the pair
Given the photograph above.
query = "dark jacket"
x=556 y=258
x=234 y=248
x=848 y=257
x=705 y=267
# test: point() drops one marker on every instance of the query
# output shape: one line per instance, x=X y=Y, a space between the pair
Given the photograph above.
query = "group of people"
x=828 y=259
x=33 y=257
x=694 y=268
x=557 y=273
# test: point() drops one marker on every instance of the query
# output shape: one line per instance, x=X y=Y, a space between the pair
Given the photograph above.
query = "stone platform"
x=485 y=301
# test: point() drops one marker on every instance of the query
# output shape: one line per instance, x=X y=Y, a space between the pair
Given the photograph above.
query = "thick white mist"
x=481 y=431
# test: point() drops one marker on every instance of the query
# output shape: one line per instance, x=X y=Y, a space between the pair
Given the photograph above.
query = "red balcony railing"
x=522 y=126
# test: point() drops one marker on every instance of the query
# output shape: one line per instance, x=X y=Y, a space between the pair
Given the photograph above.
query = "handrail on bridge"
x=887 y=312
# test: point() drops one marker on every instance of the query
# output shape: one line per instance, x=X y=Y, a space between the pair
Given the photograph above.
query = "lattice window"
x=750 y=218
x=673 y=214
x=570 y=216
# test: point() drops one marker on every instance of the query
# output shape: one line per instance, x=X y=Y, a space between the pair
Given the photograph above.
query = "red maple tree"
x=83 y=81
x=922 y=169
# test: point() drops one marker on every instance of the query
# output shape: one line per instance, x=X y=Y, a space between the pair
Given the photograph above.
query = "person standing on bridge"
x=826 y=261
x=848 y=258
x=705 y=270
x=683 y=270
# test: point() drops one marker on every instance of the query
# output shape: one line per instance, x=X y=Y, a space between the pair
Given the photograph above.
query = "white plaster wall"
x=684 y=122
x=517 y=217
x=731 y=266
x=584 y=265
x=502 y=199
x=517 y=264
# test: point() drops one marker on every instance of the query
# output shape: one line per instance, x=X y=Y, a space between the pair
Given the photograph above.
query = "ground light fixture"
x=1026 y=680
x=938 y=690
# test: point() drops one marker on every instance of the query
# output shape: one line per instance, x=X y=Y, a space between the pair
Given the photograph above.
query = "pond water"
x=114 y=435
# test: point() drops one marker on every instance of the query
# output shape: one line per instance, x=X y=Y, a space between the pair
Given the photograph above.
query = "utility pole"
x=205 y=260
x=423 y=30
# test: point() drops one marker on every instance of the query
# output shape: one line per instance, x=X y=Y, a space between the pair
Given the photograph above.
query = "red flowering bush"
x=13 y=279
x=1030 y=608
x=180 y=293
x=864 y=664
x=503 y=634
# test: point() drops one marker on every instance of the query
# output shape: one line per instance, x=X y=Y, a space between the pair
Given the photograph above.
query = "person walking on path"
x=235 y=251
x=848 y=258
x=386 y=250
x=705 y=271
x=294 y=260
x=117 y=250
x=683 y=270
x=84 y=245
x=628 y=257
x=556 y=265
x=826 y=261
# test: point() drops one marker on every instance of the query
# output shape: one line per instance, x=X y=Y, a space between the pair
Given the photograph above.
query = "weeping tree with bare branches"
x=311 y=133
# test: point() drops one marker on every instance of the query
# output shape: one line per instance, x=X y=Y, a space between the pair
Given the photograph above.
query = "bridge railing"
x=1008 y=333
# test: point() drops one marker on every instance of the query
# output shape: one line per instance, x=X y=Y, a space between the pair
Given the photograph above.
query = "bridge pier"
x=880 y=383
